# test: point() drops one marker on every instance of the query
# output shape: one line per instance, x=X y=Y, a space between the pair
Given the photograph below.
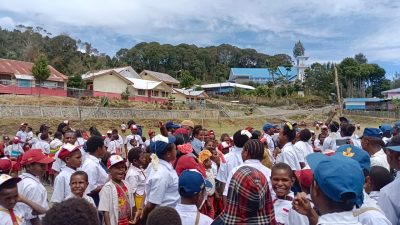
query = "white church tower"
x=301 y=67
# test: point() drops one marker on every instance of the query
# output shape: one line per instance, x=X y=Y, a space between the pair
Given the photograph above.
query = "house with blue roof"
x=261 y=75
x=363 y=104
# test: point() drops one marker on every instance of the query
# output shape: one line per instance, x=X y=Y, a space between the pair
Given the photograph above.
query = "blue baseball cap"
x=191 y=182
x=386 y=128
x=356 y=153
x=159 y=144
x=372 y=132
x=394 y=148
x=397 y=124
x=268 y=126
x=170 y=125
x=338 y=176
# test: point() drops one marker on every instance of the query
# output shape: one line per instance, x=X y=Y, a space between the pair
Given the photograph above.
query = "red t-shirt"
x=123 y=205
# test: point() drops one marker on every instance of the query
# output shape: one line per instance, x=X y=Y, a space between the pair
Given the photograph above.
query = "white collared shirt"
x=380 y=159
x=389 y=201
x=19 y=212
x=270 y=142
x=22 y=136
x=43 y=145
x=256 y=164
x=374 y=195
x=31 y=188
x=138 y=139
x=330 y=142
x=288 y=156
x=338 y=218
x=297 y=218
x=113 y=147
x=371 y=212
x=302 y=149
x=61 y=185
x=86 y=197
x=188 y=215
x=233 y=159
x=162 y=185
x=136 y=179
x=55 y=143
x=96 y=174
x=281 y=209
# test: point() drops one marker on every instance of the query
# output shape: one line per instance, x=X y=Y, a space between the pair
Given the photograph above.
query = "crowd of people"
x=183 y=174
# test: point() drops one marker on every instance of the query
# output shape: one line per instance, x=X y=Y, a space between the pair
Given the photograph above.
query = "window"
x=155 y=93
x=24 y=83
x=141 y=92
x=163 y=94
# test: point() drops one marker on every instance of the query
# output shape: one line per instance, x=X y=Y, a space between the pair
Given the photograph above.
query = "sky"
x=329 y=30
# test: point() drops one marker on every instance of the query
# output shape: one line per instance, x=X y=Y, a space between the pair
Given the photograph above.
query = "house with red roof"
x=16 y=78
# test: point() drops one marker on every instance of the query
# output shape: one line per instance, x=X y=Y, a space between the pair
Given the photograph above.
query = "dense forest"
x=74 y=57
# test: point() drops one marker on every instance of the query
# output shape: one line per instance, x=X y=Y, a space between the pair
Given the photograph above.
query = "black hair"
x=9 y=184
x=163 y=215
x=115 y=136
x=196 y=130
x=81 y=173
x=114 y=131
x=134 y=153
x=380 y=177
x=290 y=133
x=75 y=211
x=44 y=136
x=347 y=129
x=58 y=135
x=93 y=143
x=130 y=122
x=239 y=140
x=94 y=132
x=283 y=166
x=256 y=134
x=42 y=128
x=168 y=148
x=181 y=139
x=305 y=135
x=395 y=141
x=334 y=126
x=374 y=141
x=255 y=149
x=78 y=133
x=61 y=127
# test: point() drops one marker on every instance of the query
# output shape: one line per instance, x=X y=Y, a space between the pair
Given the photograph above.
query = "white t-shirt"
x=270 y=142
x=188 y=215
x=288 y=156
x=96 y=174
x=233 y=159
x=302 y=149
x=338 y=218
x=114 y=147
x=22 y=136
x=139 y=141
x=373 y=216
x=31 y=188
x=61 y=185
x=20 y=214
x=162 y=185
x=136 y=179
x=380 y=159
x=43 y=145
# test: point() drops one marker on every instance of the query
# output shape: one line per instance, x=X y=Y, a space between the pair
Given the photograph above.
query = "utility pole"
x=337 y=89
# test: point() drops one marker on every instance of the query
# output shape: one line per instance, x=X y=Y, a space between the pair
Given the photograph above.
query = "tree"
x=40 y=70
x=361 y=58
x=76 y=81
x=187 y=80
x=298 y=49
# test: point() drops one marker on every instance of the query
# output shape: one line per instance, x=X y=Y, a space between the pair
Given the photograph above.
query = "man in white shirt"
x=389 y=198
x=92 y=166
x=252 y=155
x=288 y=154
x=269 y=131
x=22 y=133
x=233 y=158
x=192 y=189
x=35 y=163
x=43 y=144
x=379 y=178
x=372 y=143
x=303 y=148
x=330 y=141
x=134 y=135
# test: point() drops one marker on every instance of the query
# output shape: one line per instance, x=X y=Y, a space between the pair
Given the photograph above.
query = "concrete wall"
x=74 y=112
x=12 y=89
x=109 y=83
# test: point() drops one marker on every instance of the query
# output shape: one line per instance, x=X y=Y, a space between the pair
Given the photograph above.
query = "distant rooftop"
x=227 y=84
x=162 y=76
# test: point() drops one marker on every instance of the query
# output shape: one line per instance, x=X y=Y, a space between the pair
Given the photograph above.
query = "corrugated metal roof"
x=362 y=100
x=25 y=77
x=144 y=84
x=257 y=73
x=392 y=90
x=189 y=92
x=162 y=76
x=227 y=84
x=119 y=70
x=15 y=67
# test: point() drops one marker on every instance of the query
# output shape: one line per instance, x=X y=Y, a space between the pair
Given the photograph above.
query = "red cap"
x=5 y=164
x=305 y=177
x=66 y=150
x=35 y=156
x=187 y=162
x=249 y=128
x=181 y=131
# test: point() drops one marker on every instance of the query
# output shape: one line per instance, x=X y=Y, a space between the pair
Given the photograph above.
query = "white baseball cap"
x=114 y=159
x=7 y=178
